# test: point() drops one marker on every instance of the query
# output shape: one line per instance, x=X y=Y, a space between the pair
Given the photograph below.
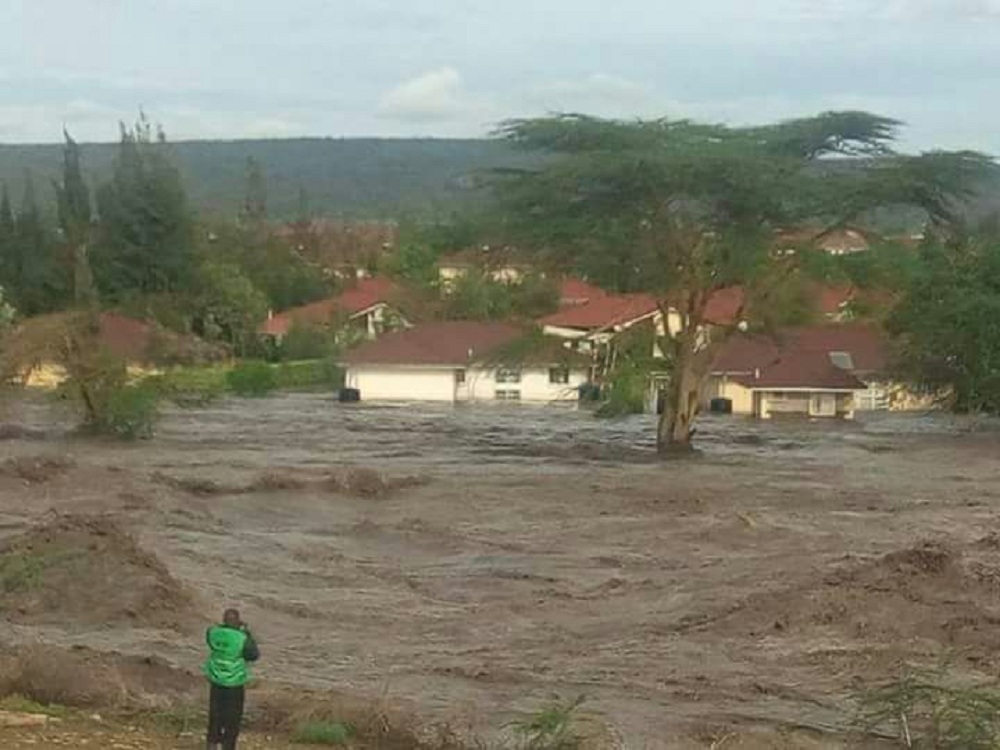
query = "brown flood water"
x=549 y=554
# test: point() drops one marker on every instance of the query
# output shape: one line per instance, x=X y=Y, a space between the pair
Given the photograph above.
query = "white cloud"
x=434 y=96
x=600 y=94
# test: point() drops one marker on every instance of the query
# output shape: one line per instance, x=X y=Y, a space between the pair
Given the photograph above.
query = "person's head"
x=231 y=618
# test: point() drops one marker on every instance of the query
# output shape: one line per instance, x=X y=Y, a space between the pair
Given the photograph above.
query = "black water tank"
x=721 y=406
x=349 y=395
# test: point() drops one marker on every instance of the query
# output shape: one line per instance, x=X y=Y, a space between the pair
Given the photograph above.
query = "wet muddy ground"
x=546 y=553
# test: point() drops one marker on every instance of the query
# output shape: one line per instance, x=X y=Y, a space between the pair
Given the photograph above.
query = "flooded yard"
x=542 y=552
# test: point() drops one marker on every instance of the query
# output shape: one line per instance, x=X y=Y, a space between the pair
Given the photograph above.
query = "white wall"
x=534 y=385
x=397 y=383
x=386 y=383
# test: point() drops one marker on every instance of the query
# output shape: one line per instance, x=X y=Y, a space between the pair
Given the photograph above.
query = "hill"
x=354 y=178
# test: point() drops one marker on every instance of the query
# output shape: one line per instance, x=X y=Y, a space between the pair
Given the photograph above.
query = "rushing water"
x=291 y=428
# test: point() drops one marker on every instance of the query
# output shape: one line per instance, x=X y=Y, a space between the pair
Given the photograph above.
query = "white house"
x=465 y=361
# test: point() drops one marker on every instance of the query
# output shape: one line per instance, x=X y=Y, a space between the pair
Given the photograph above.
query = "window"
x=508 y=375
x=507 y=395
x=559 y=375
x=459 y=377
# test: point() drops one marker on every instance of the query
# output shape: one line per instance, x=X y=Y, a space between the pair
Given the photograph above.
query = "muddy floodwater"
x=527 y=553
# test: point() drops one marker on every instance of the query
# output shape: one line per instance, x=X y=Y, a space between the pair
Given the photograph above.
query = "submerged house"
x=815 y=371
x=466 y=361
x=364 y=308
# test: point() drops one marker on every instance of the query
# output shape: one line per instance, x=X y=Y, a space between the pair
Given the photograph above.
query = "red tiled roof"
x=138 y=341
x=724 y=305
x=744 y=353
x=574 y=291
x=364 y=294
x=831 y=300
x=802 y=370
x=452 y=344
x=128 y=338
x=604 y=312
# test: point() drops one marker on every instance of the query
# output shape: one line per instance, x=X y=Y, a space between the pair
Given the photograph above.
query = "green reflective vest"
x=226 y=666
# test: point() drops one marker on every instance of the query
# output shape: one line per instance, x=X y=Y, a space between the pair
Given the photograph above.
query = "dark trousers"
x=225 y=714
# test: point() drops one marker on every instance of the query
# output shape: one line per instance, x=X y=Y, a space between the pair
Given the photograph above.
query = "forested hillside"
x=357 y=178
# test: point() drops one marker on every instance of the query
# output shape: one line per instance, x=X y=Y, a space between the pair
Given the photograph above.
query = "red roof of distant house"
x=796 y=347
x=723 y=307
x=604 y=312
x=361 y=296
x=578 y=292
x=138 y=341
x=128 y=338
x=831 y=300
x=452 y=344
x=802 y=370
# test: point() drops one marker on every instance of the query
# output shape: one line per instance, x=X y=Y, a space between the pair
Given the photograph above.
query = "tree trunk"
x=83 y=278
x=676 y=426
x=692 y=356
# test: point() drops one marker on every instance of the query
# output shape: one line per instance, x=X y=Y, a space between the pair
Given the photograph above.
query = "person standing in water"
x=231 y=647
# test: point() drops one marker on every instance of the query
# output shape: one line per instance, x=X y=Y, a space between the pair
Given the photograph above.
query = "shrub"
x=323 y=733
x=304 y=341
x=129 y=412
x=551 y=728
x=322 y=374
x=252 y=379
x=929 y=709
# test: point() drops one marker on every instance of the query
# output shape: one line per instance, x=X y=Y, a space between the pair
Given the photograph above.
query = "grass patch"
x=932 y=709
x=19 y=704
x=22 y=571
x=199 y=386
x=334 y=733
x=552 y=728
x=179 y=720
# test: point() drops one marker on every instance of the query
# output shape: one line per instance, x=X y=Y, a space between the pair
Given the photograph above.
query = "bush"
x=305 y=341
x=928 y=709
x=129 y=412
x=551 y=728
x=323 y=733
x=316 y=374
x=252 y=379
x=190 y=386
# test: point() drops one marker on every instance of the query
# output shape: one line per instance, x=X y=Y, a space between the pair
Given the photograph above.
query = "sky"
x=270 y=68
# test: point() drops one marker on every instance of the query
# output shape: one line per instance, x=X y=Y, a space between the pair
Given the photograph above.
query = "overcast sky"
x=242 y=68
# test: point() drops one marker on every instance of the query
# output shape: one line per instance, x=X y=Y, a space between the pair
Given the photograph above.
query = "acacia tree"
x=681 y=210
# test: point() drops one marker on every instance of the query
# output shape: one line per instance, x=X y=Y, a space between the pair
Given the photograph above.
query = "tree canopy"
x=681 y=209
x=146 y=242
x=948 y=324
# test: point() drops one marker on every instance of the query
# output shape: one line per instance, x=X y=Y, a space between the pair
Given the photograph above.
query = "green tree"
x=75 y=219
x=38 y=282
x=229 y=306
x=271 y=263
x=146 y=229
x=680 y=209
x=7 y=272
x=947 y=325
x=254 y=209
x=475 y=296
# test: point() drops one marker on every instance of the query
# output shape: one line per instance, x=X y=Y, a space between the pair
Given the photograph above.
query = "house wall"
x=719 y=386
x=778 y=403
x=388 y=383
x=399 y=383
